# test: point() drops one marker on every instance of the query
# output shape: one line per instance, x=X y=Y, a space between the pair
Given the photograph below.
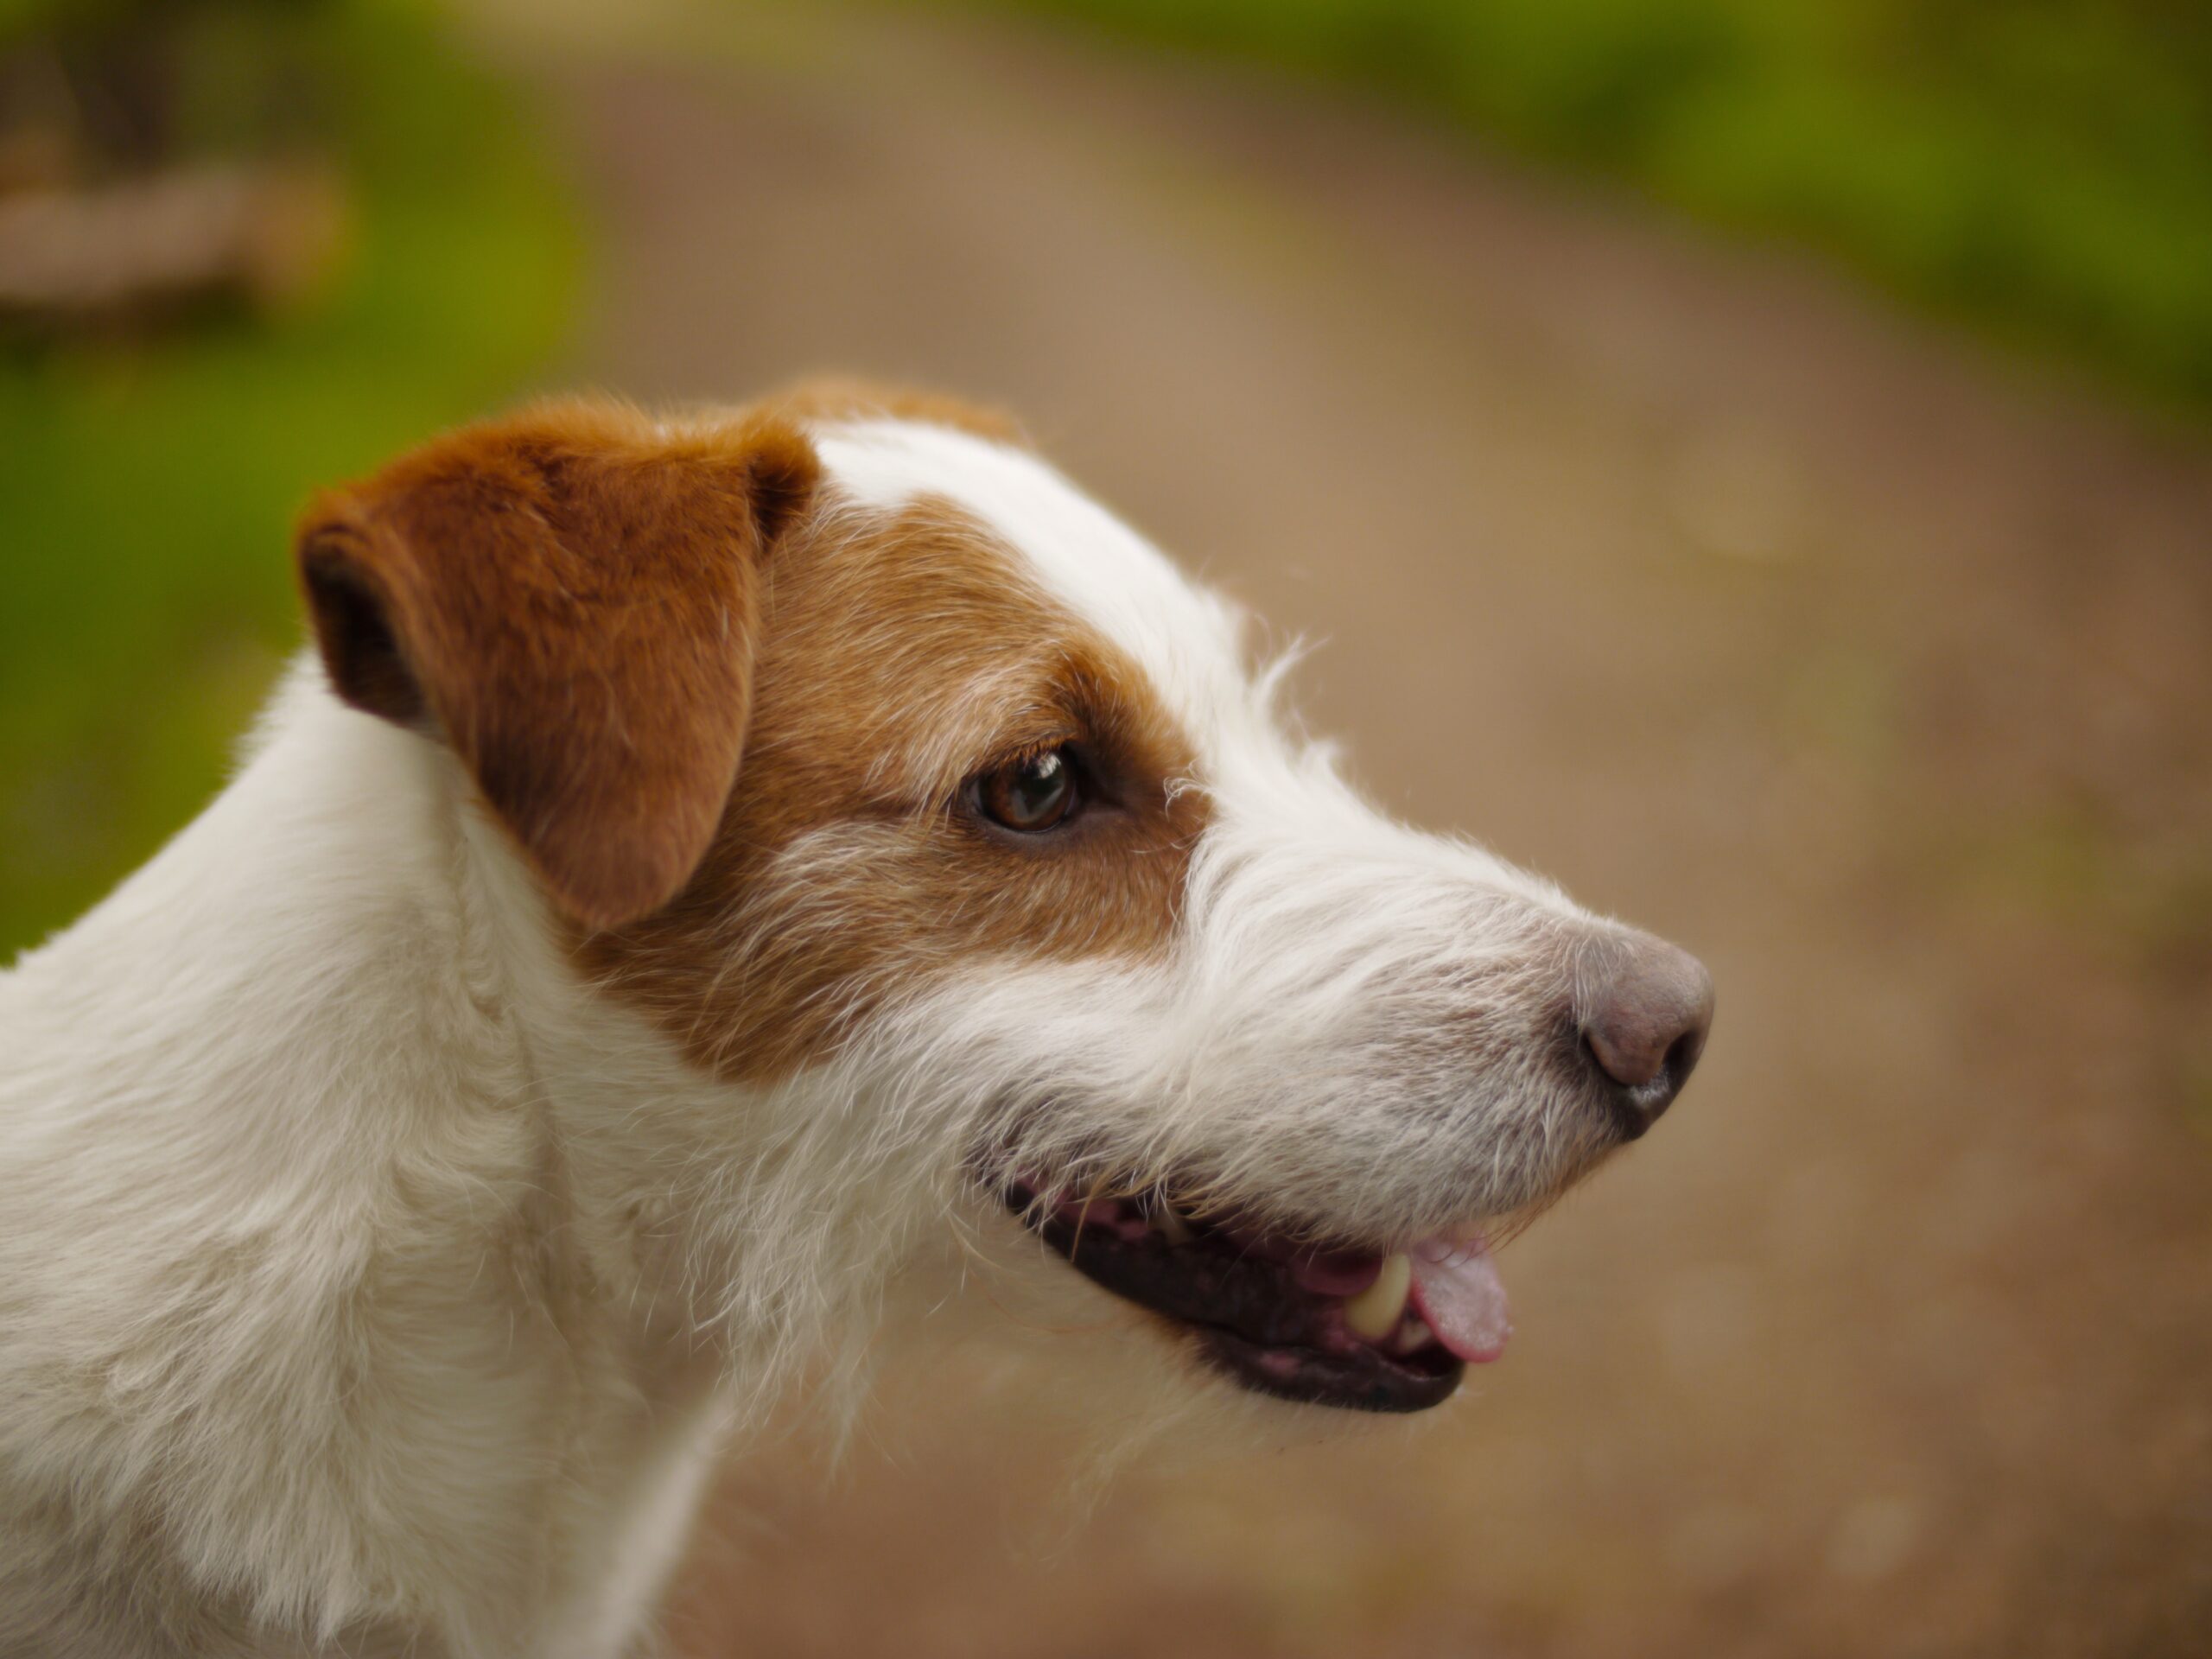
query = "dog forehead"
x=1184 y=638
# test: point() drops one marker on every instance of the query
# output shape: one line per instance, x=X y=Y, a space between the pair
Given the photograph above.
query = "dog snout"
x=1643 y=1018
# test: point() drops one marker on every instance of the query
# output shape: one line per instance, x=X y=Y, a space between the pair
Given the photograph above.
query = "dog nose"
x=1644 y=1021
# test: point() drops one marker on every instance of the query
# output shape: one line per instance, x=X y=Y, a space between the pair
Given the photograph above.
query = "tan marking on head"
x=732 y=735
x=896 y=659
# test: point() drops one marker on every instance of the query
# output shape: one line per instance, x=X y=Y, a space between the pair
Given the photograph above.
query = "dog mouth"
x=1357 y=1329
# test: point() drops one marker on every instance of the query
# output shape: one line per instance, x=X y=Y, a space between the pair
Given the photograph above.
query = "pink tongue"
x=1458 y=1296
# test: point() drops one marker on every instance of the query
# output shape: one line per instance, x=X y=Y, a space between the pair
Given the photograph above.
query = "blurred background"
x=1748 y=460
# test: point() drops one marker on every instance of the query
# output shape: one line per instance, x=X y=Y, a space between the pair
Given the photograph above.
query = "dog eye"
x=1032 y=795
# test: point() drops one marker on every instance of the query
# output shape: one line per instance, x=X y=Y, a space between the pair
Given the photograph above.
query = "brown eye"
x=1031 y=795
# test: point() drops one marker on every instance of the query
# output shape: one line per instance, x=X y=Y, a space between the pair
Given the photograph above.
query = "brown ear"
x=567 y=599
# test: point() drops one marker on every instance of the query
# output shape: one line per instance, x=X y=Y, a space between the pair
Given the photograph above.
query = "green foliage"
x=148 y=485
x=2044 y=166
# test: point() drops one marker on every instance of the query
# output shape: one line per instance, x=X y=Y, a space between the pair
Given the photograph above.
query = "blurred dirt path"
x=1878 y=672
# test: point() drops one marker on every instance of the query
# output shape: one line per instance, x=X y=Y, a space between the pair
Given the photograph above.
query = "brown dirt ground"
x=1874 y=667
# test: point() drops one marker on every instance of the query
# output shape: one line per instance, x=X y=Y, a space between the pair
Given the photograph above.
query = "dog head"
x=948 y=844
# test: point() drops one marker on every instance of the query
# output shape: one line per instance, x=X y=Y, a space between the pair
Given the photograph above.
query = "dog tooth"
x=1374 y=1312
x=1178 y=1229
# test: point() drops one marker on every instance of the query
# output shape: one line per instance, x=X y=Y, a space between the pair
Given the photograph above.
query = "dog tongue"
x=1458 y=1296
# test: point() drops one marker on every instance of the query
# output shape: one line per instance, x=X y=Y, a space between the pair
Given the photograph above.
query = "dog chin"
x=1035 y=1352
x=1033 y=1322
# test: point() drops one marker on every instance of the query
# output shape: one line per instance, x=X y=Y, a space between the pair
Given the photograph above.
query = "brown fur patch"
x=610 y=620
x=894 y=665
x=570 y=598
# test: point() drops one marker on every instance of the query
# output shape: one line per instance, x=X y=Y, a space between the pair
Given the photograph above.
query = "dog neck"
x=312 y=1252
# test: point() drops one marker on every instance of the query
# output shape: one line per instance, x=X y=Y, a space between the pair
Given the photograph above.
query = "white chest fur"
x=307 y=1333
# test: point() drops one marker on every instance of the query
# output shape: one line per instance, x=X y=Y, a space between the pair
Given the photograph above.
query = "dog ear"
x=570 y=601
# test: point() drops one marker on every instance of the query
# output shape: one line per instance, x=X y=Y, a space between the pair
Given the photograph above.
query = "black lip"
x=1360 y=1379
x=1252 y=1320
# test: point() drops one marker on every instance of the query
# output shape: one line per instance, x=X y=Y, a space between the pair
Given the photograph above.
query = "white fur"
x=370 y=1284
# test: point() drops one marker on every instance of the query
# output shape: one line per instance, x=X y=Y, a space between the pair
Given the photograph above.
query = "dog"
x=714 y=883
